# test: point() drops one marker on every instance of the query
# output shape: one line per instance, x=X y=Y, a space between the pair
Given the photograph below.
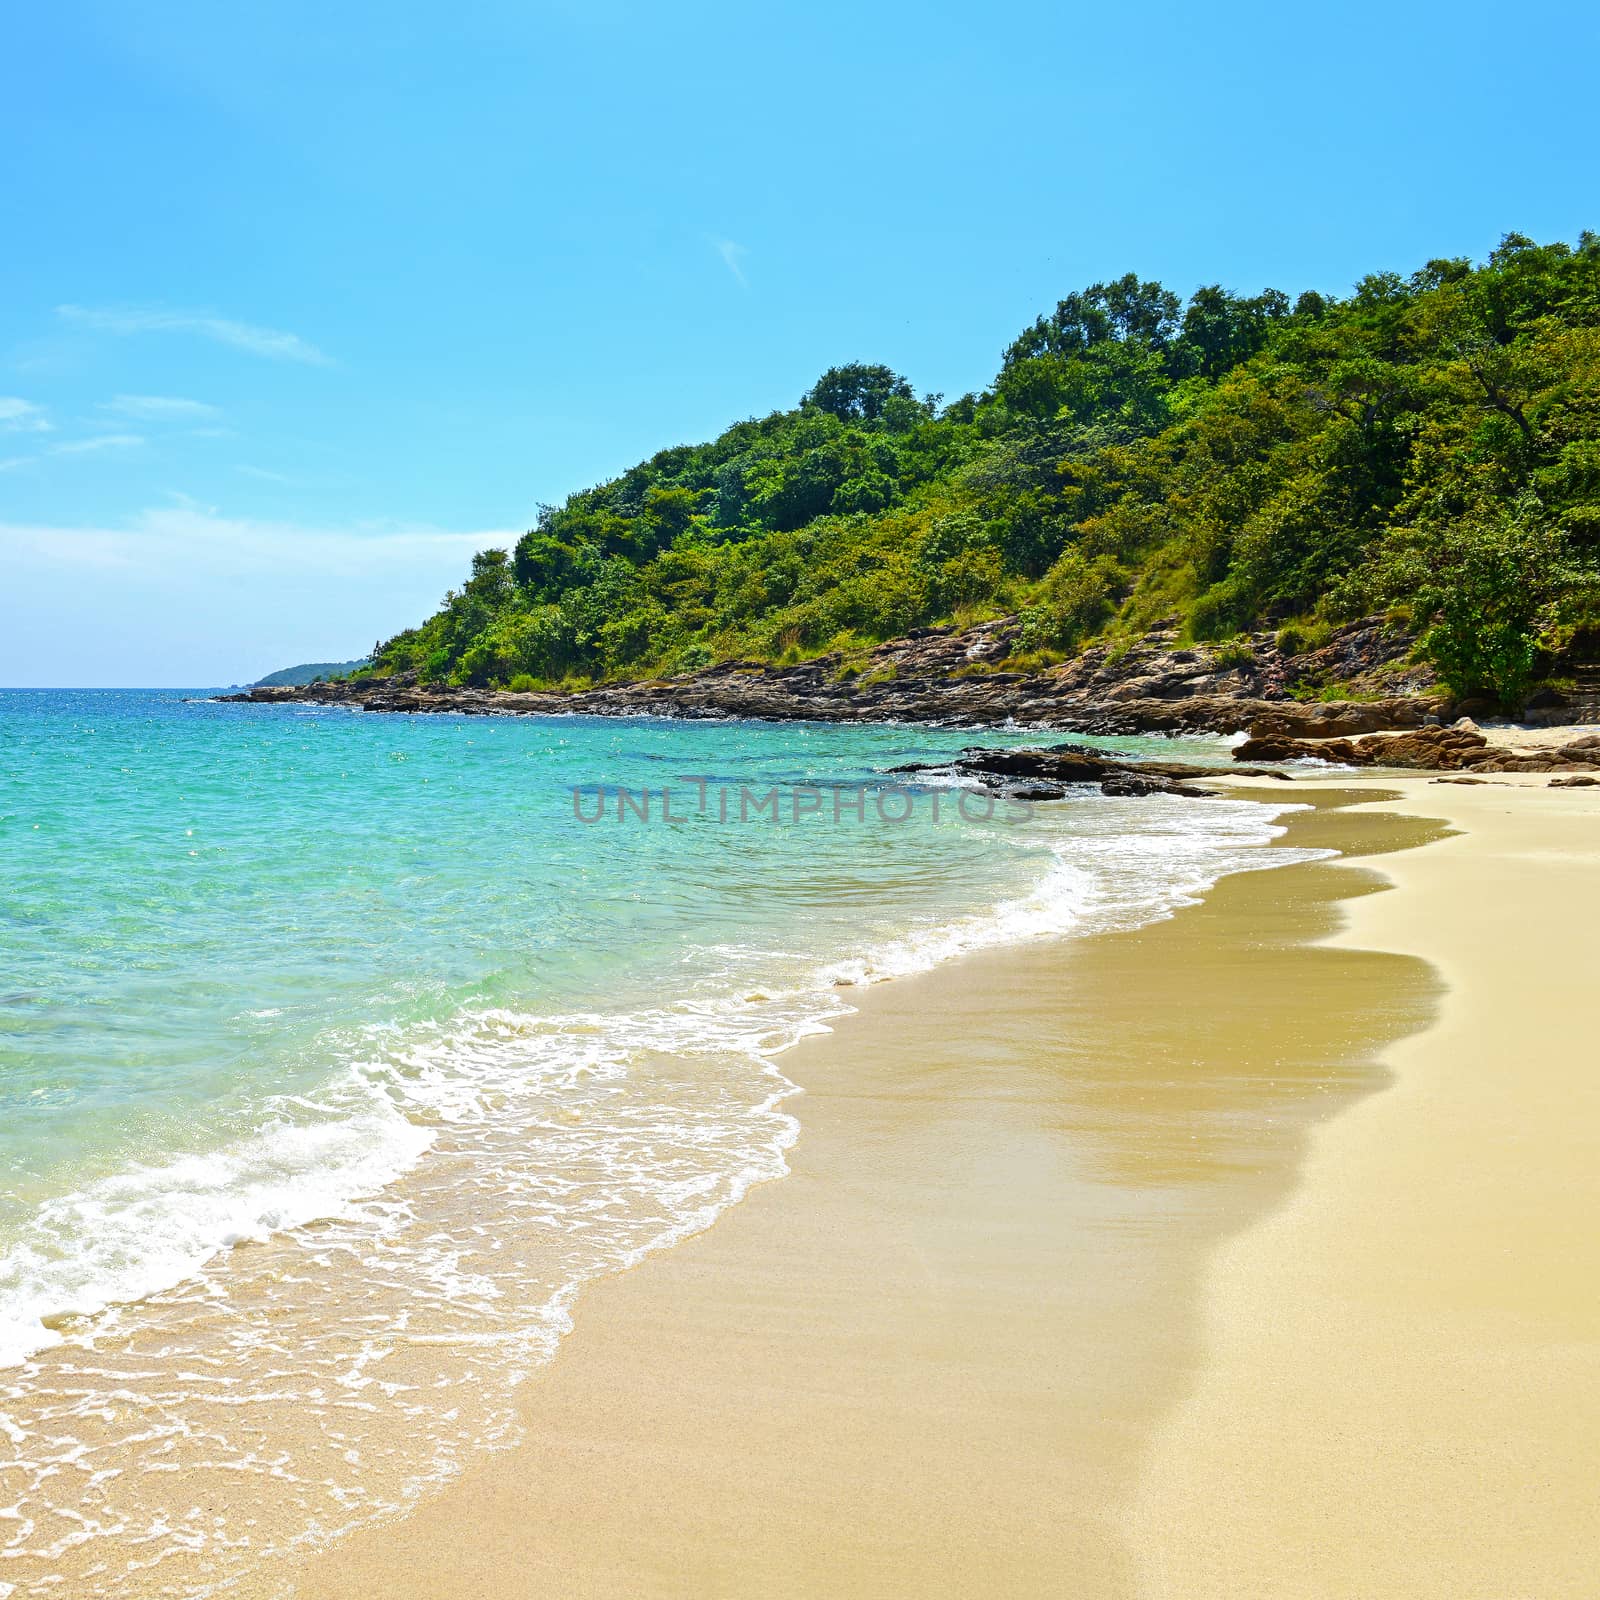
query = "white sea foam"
x=131 y=1235
x=431 y=1216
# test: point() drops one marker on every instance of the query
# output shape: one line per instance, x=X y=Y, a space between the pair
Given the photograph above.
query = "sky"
x=302 y=304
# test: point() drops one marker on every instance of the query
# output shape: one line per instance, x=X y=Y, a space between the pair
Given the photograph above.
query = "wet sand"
x=935 y=1360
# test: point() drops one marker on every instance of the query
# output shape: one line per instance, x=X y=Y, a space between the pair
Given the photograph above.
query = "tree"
x=1221 y=330
x=1127 y=308
x=856 y=393
x=1485 y=588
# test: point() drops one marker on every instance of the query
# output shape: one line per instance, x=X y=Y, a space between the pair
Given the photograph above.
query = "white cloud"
x=733 y=259
x=78 y=447
x=198 y=538
x=264 y=473
x=189 y=503
x=104 y=441
x=21 y=416
x=159 y=408
x=268 y=342
x=182 y=594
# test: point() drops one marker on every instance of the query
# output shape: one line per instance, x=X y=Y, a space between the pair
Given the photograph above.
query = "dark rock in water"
x=1030 y=774
x=1137 y=784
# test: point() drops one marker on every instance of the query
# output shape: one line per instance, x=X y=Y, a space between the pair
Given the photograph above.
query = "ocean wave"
x=128 y=1236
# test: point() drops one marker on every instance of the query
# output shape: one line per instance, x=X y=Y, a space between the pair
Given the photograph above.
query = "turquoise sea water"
x=379 y=992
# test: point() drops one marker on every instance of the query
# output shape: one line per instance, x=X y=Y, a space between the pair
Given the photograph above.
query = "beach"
x=736 y=870
x=1246 y=1253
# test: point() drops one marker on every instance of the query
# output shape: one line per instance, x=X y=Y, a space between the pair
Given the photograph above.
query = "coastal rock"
x=1370 y=657
x=1426 y=748
x=1339 y=719
x=1019 y=773
x=1135 y=785
x=1429 y=749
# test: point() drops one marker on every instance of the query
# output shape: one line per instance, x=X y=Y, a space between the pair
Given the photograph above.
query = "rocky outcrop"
x=1458 y=748
x=1368 y=658
x=954 y=677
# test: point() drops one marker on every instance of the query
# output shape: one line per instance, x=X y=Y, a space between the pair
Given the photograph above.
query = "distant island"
x=1425 y=449
x=307 y=672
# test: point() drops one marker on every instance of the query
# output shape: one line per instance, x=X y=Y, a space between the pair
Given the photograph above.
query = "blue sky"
x=300 y=304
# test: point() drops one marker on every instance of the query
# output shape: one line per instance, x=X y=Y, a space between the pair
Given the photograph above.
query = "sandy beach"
x=1401 y=1385
x=1251 y=1253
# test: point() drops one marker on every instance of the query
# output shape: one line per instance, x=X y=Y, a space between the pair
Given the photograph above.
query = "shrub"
x=693 y=657
x=1220 y=612
x=1033 y=660
x=1299 y=638
x=1072 y=601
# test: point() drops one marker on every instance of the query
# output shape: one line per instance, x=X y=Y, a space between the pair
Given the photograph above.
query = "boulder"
x=1135 y=785
x=1427 y=749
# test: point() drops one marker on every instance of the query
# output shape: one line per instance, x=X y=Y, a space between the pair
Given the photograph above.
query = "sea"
x=339 y=1050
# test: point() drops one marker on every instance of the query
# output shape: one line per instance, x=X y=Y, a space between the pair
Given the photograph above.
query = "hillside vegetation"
x=308 y=672
x=1427 y=446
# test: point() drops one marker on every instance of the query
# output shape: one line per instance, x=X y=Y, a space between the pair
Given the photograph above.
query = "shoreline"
x=932 y=1359
x=392 y=1391
x=956 y=677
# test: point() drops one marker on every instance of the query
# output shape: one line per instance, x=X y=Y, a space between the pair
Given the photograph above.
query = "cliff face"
x=953 y=676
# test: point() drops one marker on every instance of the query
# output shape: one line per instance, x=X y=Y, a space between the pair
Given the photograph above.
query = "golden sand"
x=932 y=1362
x=1401 y=1387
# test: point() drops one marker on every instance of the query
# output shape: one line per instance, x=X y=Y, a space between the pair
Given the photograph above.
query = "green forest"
x=1427 y=447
